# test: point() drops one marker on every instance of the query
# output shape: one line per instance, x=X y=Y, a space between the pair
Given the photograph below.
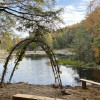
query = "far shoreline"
x=60 y=51
x=4 y=53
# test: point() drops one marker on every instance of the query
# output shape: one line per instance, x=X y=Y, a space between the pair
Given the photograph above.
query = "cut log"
x=89 y=81
x=31 y=97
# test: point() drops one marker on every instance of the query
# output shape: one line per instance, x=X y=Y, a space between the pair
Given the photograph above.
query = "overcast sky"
x=74 y=11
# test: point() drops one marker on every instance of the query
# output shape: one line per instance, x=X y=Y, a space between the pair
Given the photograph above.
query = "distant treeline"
x=83 y=37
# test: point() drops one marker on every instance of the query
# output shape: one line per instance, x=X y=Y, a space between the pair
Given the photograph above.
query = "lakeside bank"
x=4 y=53
x=76 y=93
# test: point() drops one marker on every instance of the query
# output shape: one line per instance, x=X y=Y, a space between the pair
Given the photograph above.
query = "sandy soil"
x=76 y=93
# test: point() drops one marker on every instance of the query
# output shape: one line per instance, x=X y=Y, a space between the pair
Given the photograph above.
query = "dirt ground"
x=73 y=93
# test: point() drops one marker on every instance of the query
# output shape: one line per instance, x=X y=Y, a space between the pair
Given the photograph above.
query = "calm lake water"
x=34 y=70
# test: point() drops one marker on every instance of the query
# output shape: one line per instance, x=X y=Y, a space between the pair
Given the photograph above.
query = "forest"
x=57 y=60
x=82 y=38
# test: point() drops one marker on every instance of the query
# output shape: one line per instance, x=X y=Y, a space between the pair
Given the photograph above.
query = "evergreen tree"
x=82 y=45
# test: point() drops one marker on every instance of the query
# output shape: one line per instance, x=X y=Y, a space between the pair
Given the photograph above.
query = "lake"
x=34 y=70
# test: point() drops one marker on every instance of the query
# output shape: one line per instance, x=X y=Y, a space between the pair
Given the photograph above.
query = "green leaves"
x=60 y=41
x=40 y=1
x=47 y=38
x=16 y=67
x=38 y=10
x=82 y=44
x=97 y=42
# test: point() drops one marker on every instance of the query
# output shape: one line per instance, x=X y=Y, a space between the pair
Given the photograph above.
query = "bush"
x=68 y=62
x=92 y=64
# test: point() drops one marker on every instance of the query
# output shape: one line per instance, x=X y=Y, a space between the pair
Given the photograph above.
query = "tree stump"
x=83 y=85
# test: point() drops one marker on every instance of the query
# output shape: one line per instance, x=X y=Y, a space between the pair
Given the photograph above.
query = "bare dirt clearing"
x=77 y=93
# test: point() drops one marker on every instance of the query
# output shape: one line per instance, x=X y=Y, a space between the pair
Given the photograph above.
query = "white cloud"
x=87 y=0
x=72 y=14
x=82 y=7
x=1 y=1
x=20 y=34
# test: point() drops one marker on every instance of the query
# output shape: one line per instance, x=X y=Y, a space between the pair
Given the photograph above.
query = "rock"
x=55 y=85
x=64 y=92
x=70 y=91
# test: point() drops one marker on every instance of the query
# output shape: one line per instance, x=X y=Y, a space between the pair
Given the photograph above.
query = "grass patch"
x=70 y=49
x=98 y=67
x=48 y=63
x=62 y=61
x=68 y=62
x=91 y=64
x=77 y=63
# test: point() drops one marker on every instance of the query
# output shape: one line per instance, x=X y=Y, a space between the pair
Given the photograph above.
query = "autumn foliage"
x=92 y=23
x=93 y=4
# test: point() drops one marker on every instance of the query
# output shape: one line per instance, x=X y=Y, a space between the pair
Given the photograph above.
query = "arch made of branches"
x=23 y=46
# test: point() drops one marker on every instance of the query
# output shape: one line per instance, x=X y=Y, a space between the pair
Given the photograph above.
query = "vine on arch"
x=19 y=55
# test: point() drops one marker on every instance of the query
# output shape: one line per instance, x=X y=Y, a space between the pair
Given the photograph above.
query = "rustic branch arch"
x=23 y=45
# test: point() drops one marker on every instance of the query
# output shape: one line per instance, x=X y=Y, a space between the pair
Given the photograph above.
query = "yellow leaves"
x=71 y=26
x=53 y=35
x=93 y=20
x=92 y=35
x=93 y=4
x=96 y=52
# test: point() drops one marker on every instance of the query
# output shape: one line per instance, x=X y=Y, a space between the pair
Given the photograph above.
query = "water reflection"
x=34 y=70
x=36 y=57
x=88 y=73
x=68 y=76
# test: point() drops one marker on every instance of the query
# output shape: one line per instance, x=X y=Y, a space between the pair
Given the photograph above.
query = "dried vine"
x=20 y=55
x=24 y=44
